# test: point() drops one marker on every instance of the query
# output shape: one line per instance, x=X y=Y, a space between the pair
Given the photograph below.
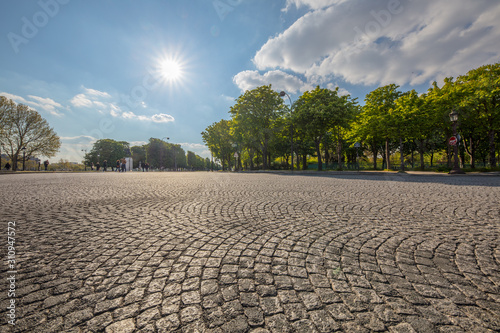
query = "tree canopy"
x=325 y=125
x=24 y=130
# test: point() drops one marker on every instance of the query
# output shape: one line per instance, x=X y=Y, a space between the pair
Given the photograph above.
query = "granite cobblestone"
x=220 y=252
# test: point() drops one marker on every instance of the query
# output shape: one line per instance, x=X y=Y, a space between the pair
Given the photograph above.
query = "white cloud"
x=278 y=79
x=15 y=98
x=384 y=41
x=36 y=102
x=81 y=100
x=137 y=143
x=162 y=118
x=313 y=4
x=97 y=93
x=78 y=138
x=99 y=101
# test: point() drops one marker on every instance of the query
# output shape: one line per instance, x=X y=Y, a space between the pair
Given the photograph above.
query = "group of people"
x=7 y=165
x=121 y=166
x=144 y=167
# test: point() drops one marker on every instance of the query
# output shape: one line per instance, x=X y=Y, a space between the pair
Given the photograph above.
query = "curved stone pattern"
x=213 y=252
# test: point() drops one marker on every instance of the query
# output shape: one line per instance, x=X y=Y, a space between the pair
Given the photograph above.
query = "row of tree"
x=23 y=132
x=325 y=124
x=158 y=153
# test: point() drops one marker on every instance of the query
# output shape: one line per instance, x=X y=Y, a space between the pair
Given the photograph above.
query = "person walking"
x=124 y=164
x=105 y=166
x=118 y=165
x=97 y=166
x=46 y=164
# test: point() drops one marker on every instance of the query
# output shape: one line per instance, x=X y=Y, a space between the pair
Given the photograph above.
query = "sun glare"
x=171 y=70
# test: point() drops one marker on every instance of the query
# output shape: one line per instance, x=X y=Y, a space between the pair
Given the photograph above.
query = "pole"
x=24 y=154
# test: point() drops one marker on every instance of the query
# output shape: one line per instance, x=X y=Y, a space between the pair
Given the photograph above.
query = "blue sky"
x=131 y=70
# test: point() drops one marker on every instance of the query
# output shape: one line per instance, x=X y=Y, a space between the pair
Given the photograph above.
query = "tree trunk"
x=327 y=156
x=304 y=162
x=375 y=154
x=413 y=155
x=264 y=152
x=339 y=149
x=387 y=154
x=493 y=159
x=384 y=159
x=421 y=153
x=401 y=154
x=318 y=151
x=251 y=155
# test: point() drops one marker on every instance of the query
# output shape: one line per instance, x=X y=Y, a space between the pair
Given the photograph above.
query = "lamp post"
x=24 y=155
x=453 y=141
x=84 y=164
x=283 y=93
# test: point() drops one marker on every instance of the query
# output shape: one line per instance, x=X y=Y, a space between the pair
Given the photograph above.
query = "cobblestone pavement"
x=214 y=252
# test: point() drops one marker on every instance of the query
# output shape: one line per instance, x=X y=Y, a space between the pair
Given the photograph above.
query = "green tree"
x=378 y=107
x=138 y=155
x=156 y=153
x=480 y=92
x=256 y=118
x=218 y=139
x=320 y=111
x=106 y=150
x=23 y=127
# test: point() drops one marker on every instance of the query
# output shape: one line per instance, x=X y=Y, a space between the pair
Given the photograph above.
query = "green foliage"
x=391 y=124
x=256 y=119
x=105 y=150
x=219 y=140
x=22 y=127
x=163 y=155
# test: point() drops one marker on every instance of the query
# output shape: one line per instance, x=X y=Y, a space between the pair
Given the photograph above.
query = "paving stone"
x=124 y=326
x=256 y=252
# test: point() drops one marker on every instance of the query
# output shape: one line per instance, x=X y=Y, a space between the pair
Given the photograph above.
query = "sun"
x=171 y=70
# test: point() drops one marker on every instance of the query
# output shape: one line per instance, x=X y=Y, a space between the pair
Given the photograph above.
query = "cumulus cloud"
x=279 y=80
x=38 y=103
x=103 y=103
x=162 y=118
x=313 y=4
x=384 y=41
x=97 y=93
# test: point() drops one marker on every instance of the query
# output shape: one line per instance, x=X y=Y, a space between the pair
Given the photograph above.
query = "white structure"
x=129 y=165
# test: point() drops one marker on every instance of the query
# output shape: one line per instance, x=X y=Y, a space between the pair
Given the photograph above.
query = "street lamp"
x=24 y=154
x=84 y=164
x=291 y=125
x=453 y=141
